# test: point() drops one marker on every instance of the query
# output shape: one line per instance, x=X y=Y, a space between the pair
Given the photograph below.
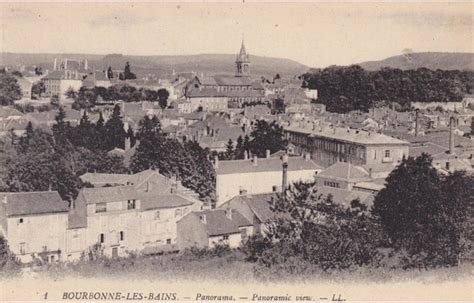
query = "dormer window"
x=20 y=220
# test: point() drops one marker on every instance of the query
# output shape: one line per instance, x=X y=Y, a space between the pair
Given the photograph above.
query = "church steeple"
x=242 y=62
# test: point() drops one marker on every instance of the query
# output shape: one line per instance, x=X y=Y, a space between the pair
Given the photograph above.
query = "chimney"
x=72 y=204
x=85 y=64
x=416 y=123
x=228 y=213
x=55 y=67
x=284 y=182
x=242 y=191
x=216 y=162
x=255 y=160
x=246 y=155
x=267 y=154
x=370 y=173
x=451 y=135
x=202 y=218
x=65 y=64
x=128 y=143
x=447 y=165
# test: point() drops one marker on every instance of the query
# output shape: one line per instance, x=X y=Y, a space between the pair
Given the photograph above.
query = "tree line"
x=421 y=219
x=88 y=97
x=343 y=89
x=41 y=160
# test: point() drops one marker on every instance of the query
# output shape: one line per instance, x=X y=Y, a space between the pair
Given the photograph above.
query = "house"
x=158 y=217
x=260 y=175
x=34 y=224
x=112 y=218
x=208 y=228
x=255 y=208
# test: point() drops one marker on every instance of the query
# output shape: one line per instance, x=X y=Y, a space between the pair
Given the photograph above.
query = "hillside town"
x=135 y=199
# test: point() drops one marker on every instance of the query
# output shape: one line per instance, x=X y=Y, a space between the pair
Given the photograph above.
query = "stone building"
x=328 y=145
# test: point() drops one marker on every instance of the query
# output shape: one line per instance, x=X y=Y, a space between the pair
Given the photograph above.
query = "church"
x=238 y=89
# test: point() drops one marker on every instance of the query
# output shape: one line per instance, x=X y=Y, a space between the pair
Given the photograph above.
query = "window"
x=131 y=204
x=23 y=248
x=122 y=236
x=387 y=153
x=101 y=238
x=168 y=241
x=101 y=207
x=157 y=215
x=20 y=220
x=225 y=237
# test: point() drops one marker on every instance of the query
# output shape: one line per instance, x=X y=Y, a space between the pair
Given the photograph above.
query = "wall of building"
x=76 y=243
x=229 y=185
x=37 y=234
x=376 y=154
x=191 y=233
x=66 y=84
x=233 y=240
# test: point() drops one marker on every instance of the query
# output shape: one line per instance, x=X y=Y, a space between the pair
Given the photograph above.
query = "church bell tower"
x=242 y=63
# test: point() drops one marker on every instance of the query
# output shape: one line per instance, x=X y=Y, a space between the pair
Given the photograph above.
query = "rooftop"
x=109 y=194
x=218 y=223
x=33 y=203
x=152 y=201
x=343 y=171
x=264 y=165
x=345 y=134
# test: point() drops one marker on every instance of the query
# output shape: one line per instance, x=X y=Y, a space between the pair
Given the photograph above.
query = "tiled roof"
x=217 y=223
x=204 y=92
x=344 y=197
x=343 y=171
x=6 y=112
x=33 y=203
x=264 y=165
x=153 y=201
x=347 y=135
x=232 y=81
x=109 y=194
x=99 y=178
x=260 y=205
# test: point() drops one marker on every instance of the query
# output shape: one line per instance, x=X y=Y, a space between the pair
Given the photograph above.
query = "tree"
x=310 y=230
x=127 y=73
x=71 y=93
x=37 y=89
x=163 y=95
x=239 y=148
x=8 y=261
x=279 y=105
x=424 y=214
x=54 y=101
x=9 y=89
x=267 y=136
x=114 y=130
x=230 y=150
x=110 y=73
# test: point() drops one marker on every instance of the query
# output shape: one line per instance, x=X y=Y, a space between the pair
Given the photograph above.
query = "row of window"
x=102 y=207
x=120 y=237
x=331 y=184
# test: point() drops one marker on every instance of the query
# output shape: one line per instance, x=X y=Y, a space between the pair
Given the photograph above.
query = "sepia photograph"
x=218 y=151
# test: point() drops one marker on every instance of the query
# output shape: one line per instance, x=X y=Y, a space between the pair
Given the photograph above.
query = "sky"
x=315 y=34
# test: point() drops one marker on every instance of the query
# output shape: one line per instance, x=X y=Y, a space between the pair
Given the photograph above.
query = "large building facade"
x=330 y=145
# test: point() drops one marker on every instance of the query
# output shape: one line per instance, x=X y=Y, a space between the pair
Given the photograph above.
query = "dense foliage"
x=188 y=162
x=9 y=89
x=87 y=97
x=266 y=136
x=343 y=89
x=425 y=214
x=41 y=161
x=421 y=219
